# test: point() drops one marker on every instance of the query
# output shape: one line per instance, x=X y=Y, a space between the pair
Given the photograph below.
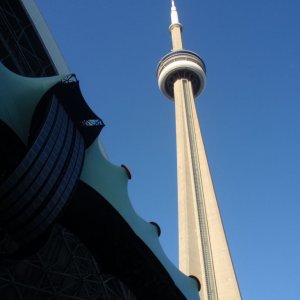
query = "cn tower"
x=203 y=249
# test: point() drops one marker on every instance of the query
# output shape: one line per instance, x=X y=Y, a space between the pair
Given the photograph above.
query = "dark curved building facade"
x=62 y=267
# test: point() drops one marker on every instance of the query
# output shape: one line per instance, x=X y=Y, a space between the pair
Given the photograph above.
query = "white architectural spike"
x=174 y=14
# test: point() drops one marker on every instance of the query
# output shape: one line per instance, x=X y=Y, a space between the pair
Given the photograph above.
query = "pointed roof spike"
x=174 y=14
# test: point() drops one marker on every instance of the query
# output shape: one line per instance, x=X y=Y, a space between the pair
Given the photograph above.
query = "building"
x=203 y=249
x=68 y=230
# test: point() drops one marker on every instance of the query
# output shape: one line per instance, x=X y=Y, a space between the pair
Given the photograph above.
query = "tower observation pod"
x=203 y=249
x=181 y=64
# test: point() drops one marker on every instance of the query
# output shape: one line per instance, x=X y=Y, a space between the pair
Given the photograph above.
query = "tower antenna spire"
x=174 y=14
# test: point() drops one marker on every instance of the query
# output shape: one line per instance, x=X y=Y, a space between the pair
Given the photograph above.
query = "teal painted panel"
x=19 y=96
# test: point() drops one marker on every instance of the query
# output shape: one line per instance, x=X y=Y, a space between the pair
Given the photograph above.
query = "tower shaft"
x=203 y=249
x=195 y=255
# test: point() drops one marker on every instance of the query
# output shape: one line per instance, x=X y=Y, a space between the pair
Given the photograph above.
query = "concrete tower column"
x=203 y=249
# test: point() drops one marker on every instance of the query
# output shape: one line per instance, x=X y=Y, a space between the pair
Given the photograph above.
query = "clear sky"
x=249 y=114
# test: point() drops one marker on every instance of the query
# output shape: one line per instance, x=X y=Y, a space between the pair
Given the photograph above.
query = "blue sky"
x=249 y=115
